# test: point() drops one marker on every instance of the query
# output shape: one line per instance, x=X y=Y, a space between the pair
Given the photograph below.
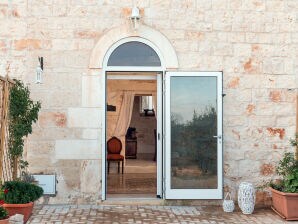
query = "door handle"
x=217 y=136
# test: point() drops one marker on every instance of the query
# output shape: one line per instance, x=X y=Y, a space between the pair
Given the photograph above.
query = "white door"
x=158 y=115
x=193 y=135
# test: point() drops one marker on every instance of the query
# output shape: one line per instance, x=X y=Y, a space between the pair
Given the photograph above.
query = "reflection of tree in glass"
x=192 y=143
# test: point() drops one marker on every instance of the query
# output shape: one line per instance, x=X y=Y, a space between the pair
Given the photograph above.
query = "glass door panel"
x=193 y=135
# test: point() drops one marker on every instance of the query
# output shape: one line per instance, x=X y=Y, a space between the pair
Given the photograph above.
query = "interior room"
x=131 y=132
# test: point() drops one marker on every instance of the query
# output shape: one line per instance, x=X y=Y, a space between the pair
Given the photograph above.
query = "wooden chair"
x=114 y=147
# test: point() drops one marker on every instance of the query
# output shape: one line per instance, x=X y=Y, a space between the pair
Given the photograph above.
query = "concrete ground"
x=147 y=214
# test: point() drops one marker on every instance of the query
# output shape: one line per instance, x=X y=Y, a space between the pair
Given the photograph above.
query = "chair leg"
x=108 y=167
x=118 y=166
x=122 y=166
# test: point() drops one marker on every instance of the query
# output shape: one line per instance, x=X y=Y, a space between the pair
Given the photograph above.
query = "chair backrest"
x=114 y=146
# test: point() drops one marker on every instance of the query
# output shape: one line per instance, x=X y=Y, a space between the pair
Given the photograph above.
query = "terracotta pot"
x=4 y=221
x=285 y=204
x=24 y=209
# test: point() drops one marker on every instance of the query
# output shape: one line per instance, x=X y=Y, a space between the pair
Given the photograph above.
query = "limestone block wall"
x=254 y=43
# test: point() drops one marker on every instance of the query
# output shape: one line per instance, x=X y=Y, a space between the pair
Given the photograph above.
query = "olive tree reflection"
x=194 y=150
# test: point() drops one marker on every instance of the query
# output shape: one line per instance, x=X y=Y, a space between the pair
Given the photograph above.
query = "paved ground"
x=147 y=214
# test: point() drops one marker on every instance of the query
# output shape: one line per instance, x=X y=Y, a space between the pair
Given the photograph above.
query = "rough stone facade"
x=254 y=43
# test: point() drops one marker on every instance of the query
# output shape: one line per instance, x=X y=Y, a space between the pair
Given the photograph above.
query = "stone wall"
x=254 y=43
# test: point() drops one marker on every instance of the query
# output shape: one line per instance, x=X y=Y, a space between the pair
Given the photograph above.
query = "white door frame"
x=159 y=130
x=193 y=193
x=106 y=69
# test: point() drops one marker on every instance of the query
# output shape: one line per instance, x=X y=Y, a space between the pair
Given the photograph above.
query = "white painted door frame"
x=159 y=136
x=193 y=193
x=106 y=69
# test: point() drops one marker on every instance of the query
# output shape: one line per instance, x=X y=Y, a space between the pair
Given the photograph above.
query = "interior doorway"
x=131 y=118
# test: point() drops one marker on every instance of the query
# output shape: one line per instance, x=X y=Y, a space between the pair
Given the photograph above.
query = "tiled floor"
x=139 y=178
x=132 y=183
x=147 y=214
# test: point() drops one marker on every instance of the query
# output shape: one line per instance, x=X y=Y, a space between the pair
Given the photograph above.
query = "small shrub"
x=18 y=192
x=27 y=177
x=288 y=170
x=3 y=213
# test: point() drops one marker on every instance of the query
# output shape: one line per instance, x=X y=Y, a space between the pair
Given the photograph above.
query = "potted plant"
x=19 y=197
x=285 y=190
x=23 y=112
x=3 y=216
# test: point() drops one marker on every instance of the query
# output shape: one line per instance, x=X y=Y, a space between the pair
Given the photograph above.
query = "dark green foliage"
x=27 y=177
x=294 y=142
x=288 y=169
x=3 y=213
x=18 y=192
x=192 y=141
x=22 y=113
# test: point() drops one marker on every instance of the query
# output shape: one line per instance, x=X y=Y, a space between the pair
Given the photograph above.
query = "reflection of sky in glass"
x=192 y=93
x=134 y=53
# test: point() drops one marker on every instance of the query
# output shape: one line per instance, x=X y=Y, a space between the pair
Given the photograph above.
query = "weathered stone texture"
x=254 y=43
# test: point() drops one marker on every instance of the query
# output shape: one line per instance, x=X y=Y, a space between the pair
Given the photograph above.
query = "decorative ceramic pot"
x=228 y=203
x=24 y=209
x=246 y=198
x=285 y=204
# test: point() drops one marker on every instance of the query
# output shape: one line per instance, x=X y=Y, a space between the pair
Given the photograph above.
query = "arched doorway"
x=189 y=111
x=138 y=65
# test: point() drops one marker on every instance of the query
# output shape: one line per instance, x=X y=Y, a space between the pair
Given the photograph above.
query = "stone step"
x=132 y=201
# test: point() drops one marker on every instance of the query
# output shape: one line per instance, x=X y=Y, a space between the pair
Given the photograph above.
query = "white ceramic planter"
x=246 y=198
x=228 y=204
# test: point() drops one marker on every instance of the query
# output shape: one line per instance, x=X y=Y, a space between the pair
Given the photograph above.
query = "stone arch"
x=145 y=32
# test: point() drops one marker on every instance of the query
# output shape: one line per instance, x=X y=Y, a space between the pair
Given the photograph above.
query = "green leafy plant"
x=25 y=174
x=23 y=112
x=288 y=170
x=294 y=142
x=3 y=213
x=1 y=196
x=19 y=192
x=27 y=177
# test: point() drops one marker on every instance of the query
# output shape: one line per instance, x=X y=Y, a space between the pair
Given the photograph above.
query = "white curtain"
x=154 y=102
x=124 y=118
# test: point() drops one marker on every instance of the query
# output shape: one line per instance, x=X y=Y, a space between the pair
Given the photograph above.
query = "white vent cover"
x=47 y=182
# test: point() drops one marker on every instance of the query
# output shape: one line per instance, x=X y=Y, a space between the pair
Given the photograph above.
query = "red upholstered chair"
x=114 y=147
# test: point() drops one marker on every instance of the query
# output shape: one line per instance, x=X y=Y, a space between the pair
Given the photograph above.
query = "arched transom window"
x=134 y=53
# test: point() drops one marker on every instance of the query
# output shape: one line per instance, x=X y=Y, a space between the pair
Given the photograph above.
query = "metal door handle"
x=217 y=136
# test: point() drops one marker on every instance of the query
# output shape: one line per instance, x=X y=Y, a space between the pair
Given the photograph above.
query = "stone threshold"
x=139 y=202
x=150 y=199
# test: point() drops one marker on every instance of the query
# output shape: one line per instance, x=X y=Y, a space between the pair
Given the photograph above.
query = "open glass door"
x=193 y=128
